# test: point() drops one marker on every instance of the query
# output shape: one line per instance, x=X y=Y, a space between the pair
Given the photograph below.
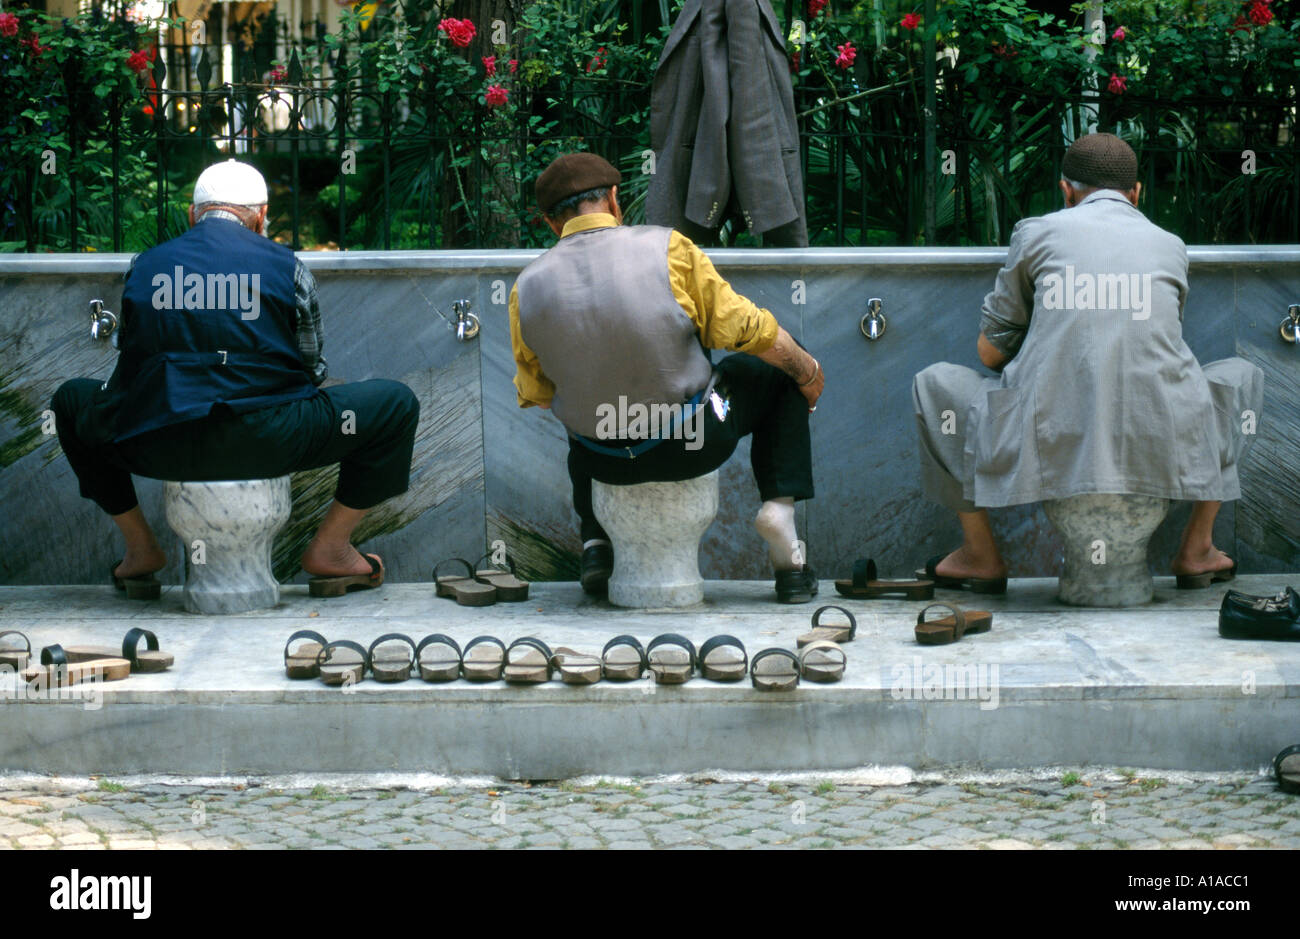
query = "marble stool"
x=230 y=526
x=656 y=529
x=1106 y=547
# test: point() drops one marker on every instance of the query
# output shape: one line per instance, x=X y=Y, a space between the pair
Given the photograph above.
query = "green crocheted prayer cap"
x=1101 y=160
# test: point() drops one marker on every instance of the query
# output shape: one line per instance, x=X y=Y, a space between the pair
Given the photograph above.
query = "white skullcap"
x=230 y=182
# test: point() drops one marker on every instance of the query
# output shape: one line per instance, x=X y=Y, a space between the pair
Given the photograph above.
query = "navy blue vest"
x=207 y=323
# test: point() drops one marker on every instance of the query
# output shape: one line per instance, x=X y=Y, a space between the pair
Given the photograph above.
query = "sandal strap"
x=510 y=563
x=822 y=645
x=1293 y=750
x=13 y=632
x=853 y=623
x=131 y=644
x=438 y=639
x=391 y=637
x=672 y=639
x=786 y=653
x=630 y=641
x=54 y=655
x=717 y=642
x=469 y=571
x=479 y=640
x=305 y=634
x=958 y=614
x=533 y=642
x=864 y=570
x=344 y=644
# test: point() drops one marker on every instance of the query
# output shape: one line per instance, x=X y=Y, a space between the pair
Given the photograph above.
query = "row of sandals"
x=670 y=658
x=60 y=667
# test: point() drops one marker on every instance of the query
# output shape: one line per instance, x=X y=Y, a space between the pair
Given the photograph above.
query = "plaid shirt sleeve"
x=311 y=336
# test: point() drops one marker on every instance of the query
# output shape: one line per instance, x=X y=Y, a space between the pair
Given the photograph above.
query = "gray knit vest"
x=600 y=314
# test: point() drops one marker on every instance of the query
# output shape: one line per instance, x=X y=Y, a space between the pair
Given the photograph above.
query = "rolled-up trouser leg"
x=383 y=418
x=1237 y=387
x=100 y=474
x=941 y=397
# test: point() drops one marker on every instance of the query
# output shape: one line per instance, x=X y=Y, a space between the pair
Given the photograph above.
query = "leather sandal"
x=1286 y=769
x=56 y=671
x=528 y=661
x=822 y=661
x=775 y=670
x=576 y=668
x=623 y=659
x=1198 y=581
x=338 y=586
x=444 y=663
x=838 y=632
x=676 y=662
x=863 y=585
x=387 y=665
x=136 y=588
x=720 y=667
x=940 y=632
x=484 y=659
x=151 y=660
x=301 y=662
x=468 y=589
x=989 y=585
x=12 y=656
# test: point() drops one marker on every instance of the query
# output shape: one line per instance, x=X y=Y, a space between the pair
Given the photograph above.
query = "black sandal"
x=864 y=585
x=469 y=590
x=529 y=672
x=837 y=633
x=672 y=673
x=726 y=670
x=12 y=656
x=1288 y=778
x=441 y=668
x=137 y=588
x=390 y=668
x=940 y=632
x=341 y=673
x=302 y=663
x=973 y=584
x=487 y=663
x=510 y=589
x=618 y=667
x=151 y=660
x=775 y=678
x=337 y=586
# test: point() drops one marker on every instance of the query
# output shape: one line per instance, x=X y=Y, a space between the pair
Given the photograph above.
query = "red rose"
x=794 y=61
x=911 y=21
x=1118 y=35
x=34 y=45
x=490 y=64
x=1259 y=12
x=460 y=32
x=1118 y=85
x=514 y=66
x=597 y=61
x=496 y=96
x=137 y=62
x=278 y=74
x=846 y=55
x=815 y=7
x=1239 y=25
x=8 y=24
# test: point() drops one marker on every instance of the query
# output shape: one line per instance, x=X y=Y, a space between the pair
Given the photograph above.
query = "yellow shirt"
x=725 y=319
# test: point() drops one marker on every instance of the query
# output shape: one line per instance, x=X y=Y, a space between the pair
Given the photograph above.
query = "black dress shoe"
x=1242 y=616
x=796 y=586
x=597 y=565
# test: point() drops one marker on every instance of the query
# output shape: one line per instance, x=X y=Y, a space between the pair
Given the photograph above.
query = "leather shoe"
x=1242 y=616
x=597 y=565
x=796 y=586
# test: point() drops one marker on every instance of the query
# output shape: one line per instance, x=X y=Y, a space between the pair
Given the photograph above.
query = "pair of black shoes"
x=598 y=563
x=1242 y=616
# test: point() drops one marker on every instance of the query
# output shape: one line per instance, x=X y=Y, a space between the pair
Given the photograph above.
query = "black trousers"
x=372 y=444
x=765 y=402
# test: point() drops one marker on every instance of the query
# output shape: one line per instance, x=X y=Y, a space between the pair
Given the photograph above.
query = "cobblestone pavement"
x=1089 y=810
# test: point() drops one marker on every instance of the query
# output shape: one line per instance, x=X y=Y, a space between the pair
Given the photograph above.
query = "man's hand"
x=990 y=355
x=791 y=358
x=813 y=390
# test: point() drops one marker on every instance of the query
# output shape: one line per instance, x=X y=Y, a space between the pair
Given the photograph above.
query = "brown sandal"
x=510 y=588
x=468 y=590
x=338 y=586
x=137 y=588
x=864 y=585
x=301 y=663
x=151 y=660
x=56 y=671
x=844 y=632
x=940 y=632
x=12 y=656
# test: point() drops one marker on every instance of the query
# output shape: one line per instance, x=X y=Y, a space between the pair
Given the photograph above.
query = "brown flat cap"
x=1101 y=160
x=571 y=174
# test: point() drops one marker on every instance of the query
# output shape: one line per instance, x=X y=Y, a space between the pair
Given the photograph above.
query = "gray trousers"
x=944 y=387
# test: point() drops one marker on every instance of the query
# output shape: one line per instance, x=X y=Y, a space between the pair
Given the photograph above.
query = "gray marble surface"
x=485 y=470
x=655 y=529
x=1106 y=540
x=226 y=530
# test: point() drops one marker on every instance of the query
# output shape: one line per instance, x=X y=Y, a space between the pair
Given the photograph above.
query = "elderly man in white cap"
x=218 y=377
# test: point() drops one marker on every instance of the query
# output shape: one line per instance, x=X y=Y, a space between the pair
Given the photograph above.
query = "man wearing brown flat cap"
x=1097 y=392
x=615 y=323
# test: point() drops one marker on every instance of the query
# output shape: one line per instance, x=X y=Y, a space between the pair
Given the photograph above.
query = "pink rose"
x=278 y=74
x=846 y=55
x=460 y=32
x=496 y=96
x=8 y=24
x=1118 y=35
x=1118 y=85
x=815 y=8
x=1259 y=12
x=490 y=64
x=911 y=21
x=514 y=66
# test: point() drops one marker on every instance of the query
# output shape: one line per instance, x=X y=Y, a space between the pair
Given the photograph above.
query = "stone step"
x=1153 y=687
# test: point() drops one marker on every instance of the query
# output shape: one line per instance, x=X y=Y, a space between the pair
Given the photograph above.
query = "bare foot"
x=1200 y=562
x=321 y=560
x=966 y=563
x=141 y=563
